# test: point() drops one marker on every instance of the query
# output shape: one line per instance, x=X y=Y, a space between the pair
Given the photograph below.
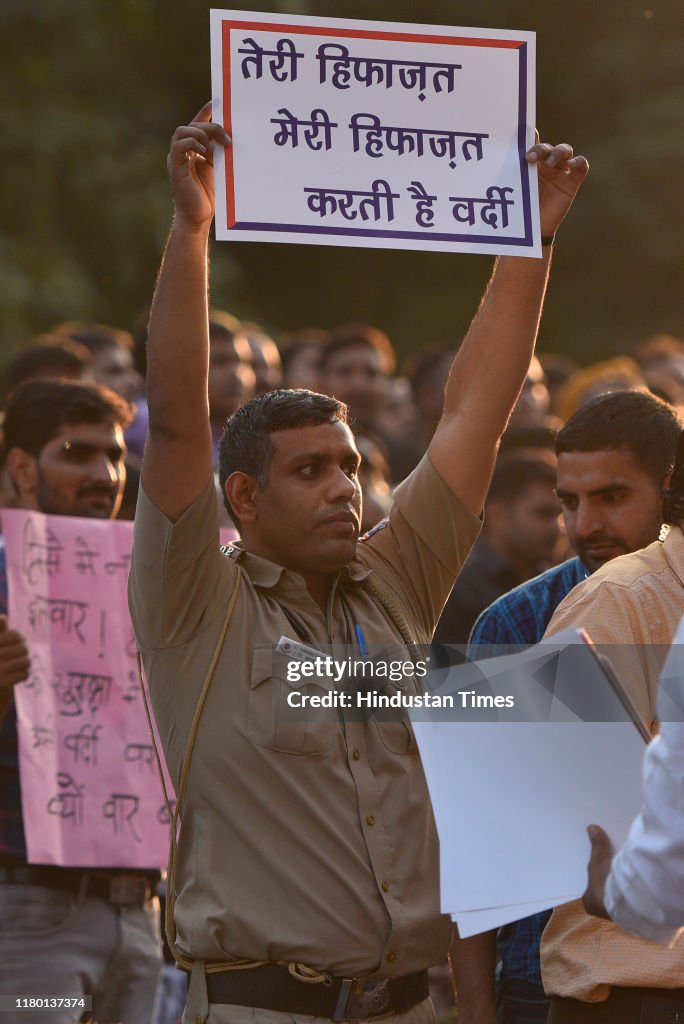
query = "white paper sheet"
x=512 y=799
x=474 y=922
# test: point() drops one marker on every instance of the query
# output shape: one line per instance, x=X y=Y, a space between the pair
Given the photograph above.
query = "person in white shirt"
x=641 y=887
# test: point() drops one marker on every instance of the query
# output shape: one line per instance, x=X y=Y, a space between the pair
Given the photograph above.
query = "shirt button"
x=391 y=957
x=370 y=820
x=384 y=886
x=355 y=754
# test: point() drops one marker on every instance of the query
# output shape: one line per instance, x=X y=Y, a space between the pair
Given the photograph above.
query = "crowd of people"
x=307 y=856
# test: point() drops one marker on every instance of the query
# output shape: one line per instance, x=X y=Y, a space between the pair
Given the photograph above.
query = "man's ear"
x=241 y=492
x=22 y=469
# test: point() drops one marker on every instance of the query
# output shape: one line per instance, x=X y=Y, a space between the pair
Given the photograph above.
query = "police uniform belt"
x=272 y=987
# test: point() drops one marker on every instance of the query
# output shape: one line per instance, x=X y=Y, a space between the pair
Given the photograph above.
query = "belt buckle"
x=128 y=890
x=362 y=999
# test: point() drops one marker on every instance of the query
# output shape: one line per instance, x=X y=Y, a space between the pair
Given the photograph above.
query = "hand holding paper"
x=190 y=165
x=15 y=663
x=560 y=177
x=599 y=866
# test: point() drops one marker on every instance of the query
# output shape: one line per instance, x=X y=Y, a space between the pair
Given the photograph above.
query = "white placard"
x=377 y=134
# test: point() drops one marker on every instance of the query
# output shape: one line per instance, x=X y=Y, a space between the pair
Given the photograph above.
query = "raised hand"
x=190 y=164
x=560 y=176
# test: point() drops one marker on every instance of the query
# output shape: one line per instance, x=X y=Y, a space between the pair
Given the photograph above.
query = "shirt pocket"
x=275 y=724
x=396 y=734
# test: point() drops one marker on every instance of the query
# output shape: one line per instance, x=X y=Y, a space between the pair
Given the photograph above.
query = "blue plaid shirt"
x=520 y=618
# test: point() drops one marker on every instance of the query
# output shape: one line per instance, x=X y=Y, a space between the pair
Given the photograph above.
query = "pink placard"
x=90 y=788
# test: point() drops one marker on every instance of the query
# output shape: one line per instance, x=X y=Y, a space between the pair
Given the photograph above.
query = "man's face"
x=80 y=472
x=268 y=370
x=309 y=512
x=611 y=505
x=304 y=369
x=355 y=375
x=532 y=524
x=113 y=367
x=231 y=376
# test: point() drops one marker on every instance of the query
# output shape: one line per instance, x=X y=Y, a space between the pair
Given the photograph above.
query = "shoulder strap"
x=175 y=812
x=396 y=614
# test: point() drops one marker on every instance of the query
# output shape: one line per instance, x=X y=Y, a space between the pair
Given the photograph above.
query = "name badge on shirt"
x=296 y=650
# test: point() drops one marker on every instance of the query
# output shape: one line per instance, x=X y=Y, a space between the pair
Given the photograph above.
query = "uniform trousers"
x=221 y=1013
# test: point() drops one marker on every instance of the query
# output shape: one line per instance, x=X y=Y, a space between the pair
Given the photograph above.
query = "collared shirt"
x=302 y=841
x=631 y=608
x=519 y=619
x=12 y=841
x=521 y=616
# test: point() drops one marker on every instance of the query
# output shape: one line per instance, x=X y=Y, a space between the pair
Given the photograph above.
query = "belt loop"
x=84 y=879
x=197 y=1005
x=343 y=999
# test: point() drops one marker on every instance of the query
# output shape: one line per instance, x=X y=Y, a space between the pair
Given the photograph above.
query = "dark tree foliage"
x=92 y=91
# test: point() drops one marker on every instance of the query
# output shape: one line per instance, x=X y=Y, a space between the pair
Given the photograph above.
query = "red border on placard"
x=313 y=30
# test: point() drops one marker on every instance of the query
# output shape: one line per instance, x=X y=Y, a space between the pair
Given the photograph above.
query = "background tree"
x=92 y=91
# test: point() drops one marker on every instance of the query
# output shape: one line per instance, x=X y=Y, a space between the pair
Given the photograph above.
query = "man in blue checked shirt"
x=615 y=456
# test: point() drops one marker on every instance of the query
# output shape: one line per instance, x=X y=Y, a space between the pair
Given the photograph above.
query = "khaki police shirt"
x=310 y=841
x=631 y=608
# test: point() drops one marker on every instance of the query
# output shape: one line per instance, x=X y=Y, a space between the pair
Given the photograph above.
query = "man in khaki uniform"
x=307 y=873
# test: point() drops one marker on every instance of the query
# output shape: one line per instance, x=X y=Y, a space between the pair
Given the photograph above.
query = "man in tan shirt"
x=307 y=869
x=631 y=609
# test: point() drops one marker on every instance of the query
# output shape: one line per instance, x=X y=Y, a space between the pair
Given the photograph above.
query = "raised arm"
x=490 y=366
x=178 y=457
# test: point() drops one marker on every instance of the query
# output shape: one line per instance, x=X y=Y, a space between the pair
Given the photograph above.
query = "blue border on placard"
x=525 y=171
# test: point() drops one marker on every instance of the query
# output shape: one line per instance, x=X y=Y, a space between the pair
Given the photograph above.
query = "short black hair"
x=95 y=337
x=245 y=445
x=223 y=325
x=528 y=435
x=292 y=343
x=360 y=335
x=659 y=347
x=633 y=421
x=38 y=408
x=421 y=369
x=48 y=355
x=513 y=475
x=673 y=505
